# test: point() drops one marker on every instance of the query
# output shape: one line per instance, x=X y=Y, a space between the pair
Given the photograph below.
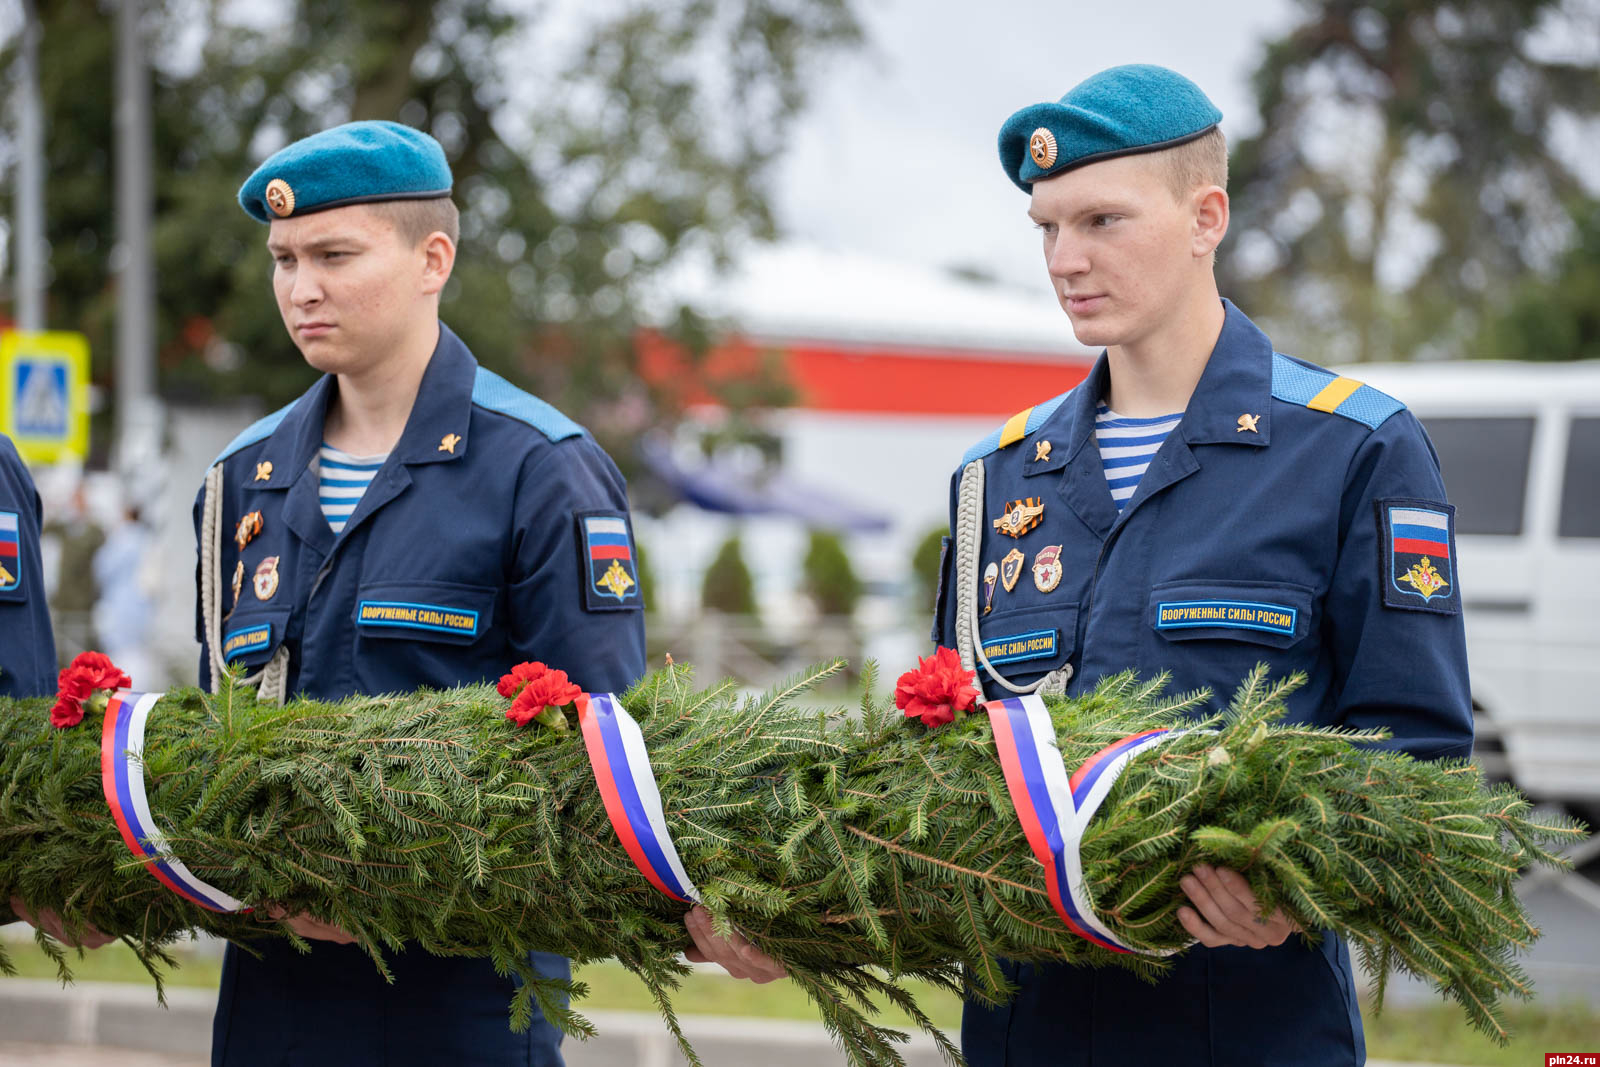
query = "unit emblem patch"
x=991 y=575
x=610 y=575
x=10 y=551
x=1020 y=517
x=1419 y=548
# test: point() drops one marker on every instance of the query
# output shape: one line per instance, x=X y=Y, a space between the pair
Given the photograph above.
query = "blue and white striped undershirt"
x=1126 y=448
x=342 y=481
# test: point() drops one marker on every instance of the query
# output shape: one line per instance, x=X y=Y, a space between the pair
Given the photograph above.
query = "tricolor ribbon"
x=122 y=778
x=1055 y=810
x=628 y=788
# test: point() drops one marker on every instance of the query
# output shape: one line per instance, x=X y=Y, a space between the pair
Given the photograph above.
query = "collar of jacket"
x=443 y=407
x=1237 y=381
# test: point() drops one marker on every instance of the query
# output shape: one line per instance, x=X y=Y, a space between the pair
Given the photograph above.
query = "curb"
x=115 y=1015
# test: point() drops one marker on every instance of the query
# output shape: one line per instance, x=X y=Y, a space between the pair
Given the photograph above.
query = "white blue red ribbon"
x=1055 y=810
x=628 y=788
x=122 y=778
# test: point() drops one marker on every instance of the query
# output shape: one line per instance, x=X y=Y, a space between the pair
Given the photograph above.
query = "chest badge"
x=1041 y=451
x=249 y=526
x=1020 y=517
x=448 y=443
x=1011 y=568
x=266 y=579
x=263 y=470
x=238 y=582
x=1047 y=568
x=1248 y=422
x=991 y=575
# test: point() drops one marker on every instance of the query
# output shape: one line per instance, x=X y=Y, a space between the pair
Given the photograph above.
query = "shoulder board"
x=1015 y=429
x=259 y=430
x=1321 y=390
x=493 y=392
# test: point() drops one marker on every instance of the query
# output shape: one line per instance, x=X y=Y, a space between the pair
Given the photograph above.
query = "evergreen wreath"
x=860 y=849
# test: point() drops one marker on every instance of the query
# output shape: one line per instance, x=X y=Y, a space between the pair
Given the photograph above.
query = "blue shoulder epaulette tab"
x=1015 y=428
x=259 y=430
x=491 y=391
x=1323 y=390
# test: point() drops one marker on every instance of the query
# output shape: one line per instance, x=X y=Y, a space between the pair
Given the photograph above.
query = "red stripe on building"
x=869 y=378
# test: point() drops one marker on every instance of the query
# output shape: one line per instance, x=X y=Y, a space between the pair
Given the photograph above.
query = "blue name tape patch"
x=1035 y=644
x=1231 y=614
x=432 y=617
x=246 y=640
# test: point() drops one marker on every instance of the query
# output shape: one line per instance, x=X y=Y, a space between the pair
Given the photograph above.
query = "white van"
x=1519 y=445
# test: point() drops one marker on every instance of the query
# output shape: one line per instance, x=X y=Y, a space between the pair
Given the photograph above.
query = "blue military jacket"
x=27 y=645
x=471 y=551
x=1293 y=518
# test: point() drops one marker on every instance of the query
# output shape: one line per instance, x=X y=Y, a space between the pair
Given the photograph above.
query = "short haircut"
x=1200 y=162
x=414 y=220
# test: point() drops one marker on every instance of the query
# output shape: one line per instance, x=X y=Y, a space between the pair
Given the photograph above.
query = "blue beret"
x=1118 y=112
x=356 y=163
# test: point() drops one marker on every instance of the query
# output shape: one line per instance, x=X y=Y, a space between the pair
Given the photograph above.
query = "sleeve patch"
x=1417 y=541
x=10 y=551
x=606 y=566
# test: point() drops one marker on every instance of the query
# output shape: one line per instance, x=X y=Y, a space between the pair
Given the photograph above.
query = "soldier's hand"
x=48 y=921
x=307 y=927
x=1226 y=911
x=733 y=954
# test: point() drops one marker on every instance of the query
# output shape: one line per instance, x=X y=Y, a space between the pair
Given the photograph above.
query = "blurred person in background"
x=1198 y=505
x=78 y=537
x=124 y=615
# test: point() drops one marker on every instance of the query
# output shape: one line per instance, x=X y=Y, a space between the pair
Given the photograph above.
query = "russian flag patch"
x=10 y=551
x=1419 y=555
x=610 y=575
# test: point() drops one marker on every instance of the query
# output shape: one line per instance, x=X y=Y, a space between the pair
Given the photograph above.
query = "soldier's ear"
x=439 y=259
x=1210 y=219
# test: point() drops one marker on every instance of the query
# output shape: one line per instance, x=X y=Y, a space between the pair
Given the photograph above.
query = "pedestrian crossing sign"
x=44 y=394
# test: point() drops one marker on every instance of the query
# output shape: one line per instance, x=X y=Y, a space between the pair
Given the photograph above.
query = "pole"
x=138 y=412
x=30 y=247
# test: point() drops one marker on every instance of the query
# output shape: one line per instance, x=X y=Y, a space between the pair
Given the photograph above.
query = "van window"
x=1485 y=466
x=1580 y=485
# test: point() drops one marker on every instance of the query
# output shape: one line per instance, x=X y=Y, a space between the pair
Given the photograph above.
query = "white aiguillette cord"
x=969 y=546
x=272 y=679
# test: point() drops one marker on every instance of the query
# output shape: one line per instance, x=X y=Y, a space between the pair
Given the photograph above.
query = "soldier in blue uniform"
x=411 y=520
x=27 y=645
x=1199 y=504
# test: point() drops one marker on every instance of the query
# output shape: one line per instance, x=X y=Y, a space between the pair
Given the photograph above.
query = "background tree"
x=727 y=586
x=1558 y=318
x=925 y=573
x=829 y=579
x=592 y=151
x=1415 y=155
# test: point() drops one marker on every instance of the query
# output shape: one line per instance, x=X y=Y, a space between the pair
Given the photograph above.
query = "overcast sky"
x=896 y=155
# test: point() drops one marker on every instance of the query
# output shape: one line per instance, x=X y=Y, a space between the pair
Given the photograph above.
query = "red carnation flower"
x=936 y=690
x=538 y=689
x=88 y=674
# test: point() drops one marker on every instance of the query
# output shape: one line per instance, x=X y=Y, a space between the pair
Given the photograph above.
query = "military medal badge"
x=1011 y=568
x=266 y=578
x=1047 y=568
x=1020 y=517
x=238 y=582
x=249 y=526
x=991 y=575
